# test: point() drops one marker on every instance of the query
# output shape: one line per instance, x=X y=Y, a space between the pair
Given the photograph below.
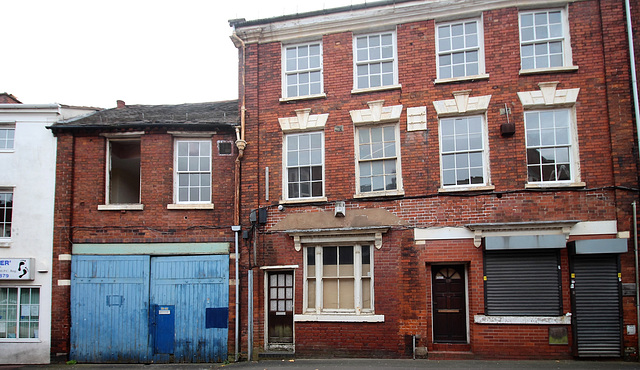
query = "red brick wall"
x=608 y=166
x=61 y=270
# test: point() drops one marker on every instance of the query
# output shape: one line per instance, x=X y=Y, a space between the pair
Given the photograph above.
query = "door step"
x=451 y=347
x=277 y=355
x=450 y=355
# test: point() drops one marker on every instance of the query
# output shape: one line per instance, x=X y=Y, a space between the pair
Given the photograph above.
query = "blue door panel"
x=193 y=284
x=109 y=308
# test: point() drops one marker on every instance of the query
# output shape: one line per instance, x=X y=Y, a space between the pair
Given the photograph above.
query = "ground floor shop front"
x=535 y=290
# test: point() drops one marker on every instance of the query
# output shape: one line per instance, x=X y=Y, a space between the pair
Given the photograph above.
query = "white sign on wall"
x=16 y=268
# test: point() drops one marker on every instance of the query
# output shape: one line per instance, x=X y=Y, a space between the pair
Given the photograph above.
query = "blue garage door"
x=142 y=309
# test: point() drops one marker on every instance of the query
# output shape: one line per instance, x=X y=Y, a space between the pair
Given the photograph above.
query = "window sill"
x=375 y=194
x=20 y=340
x=304 y=200
x=306 y=97
x=548 y=70
x=467 y=188
x=7 y=150
x=120 y=207
x=5 y=243
x=190 y=206
x=523 y=320
x=374 y=89
x=337 y=318
x=549 y=185
x=483 y=76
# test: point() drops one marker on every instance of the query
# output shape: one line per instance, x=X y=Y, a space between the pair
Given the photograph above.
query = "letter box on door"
x=163 y=329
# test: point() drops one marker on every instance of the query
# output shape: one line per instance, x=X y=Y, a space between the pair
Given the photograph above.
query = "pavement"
x=352 y=364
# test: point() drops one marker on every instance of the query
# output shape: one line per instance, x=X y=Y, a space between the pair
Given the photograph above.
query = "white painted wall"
x=30 y=169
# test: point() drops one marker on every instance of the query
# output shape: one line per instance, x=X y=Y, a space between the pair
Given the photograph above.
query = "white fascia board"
x=373 y=18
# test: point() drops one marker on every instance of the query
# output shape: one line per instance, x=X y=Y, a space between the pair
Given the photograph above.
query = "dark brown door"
x=449 y=306
x=280 y=306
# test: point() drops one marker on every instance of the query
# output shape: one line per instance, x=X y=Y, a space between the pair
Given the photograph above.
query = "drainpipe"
x=636 y=107
x=634 y=77
x=635 y=251
x=241 y=145
x=236 y=229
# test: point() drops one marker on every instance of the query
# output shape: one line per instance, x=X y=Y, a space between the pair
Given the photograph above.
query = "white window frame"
x=484 y=150
x=286 y=167
x=301 y=71
x=318 y=309
x=5 y=240
x=109 y=205
x=479 y=48
x=205 y=204
x=564 y=39
x=372 y=61
x=573 y=160
x=9 y=127
x=399 y=187
x=19 y=311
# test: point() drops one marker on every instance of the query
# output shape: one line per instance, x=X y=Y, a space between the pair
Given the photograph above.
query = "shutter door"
x=597 y=313
x=522 y=283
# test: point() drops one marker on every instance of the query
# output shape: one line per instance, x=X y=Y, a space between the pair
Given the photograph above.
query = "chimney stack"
x=121 y=104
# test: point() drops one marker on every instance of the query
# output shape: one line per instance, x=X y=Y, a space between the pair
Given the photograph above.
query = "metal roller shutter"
x=597 y=313
x=523 y=283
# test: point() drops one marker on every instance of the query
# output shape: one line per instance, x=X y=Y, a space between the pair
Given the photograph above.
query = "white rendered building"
x=27 y=184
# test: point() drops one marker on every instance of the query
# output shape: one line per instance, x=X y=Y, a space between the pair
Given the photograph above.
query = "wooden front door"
x=280 y=307
x=449 y=304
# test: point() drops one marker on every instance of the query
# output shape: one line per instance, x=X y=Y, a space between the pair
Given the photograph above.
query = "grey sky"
x=94 y=52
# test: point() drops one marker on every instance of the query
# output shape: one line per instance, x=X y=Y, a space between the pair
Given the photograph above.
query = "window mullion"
x=319 y=280
x=357 y=278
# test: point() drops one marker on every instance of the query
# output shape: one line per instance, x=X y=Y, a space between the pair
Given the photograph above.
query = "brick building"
x=144 y=208
x=451 y=179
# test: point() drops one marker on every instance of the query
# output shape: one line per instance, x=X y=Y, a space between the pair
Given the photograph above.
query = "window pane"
x=346 y=255
x=377 y=183
x=311 y=293
x=330 y=293
x=366 y=294
x=346 y=294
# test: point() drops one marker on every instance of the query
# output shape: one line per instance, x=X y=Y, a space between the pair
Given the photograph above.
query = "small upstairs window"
x=123 y=176
x=543 y=40
x=7 y=137
x=375 y=60
x=460 y=51
x=193 y=171
x=302 y=70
